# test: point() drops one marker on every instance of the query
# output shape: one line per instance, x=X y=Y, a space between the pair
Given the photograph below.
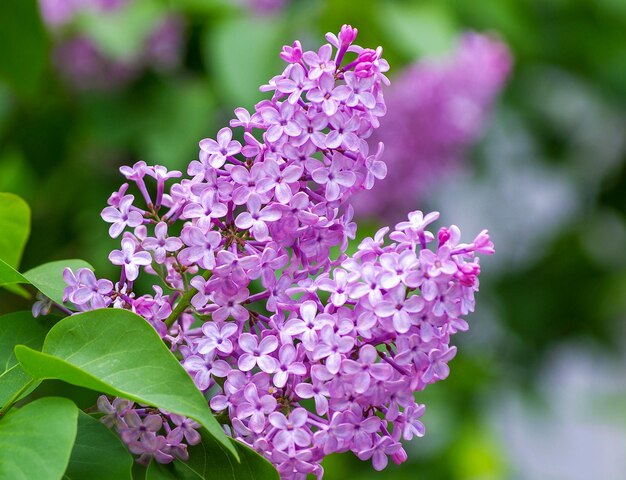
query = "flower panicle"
x=266 y=310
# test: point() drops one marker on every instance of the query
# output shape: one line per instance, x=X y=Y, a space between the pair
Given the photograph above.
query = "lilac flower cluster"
x=150 y=433
x=85 y=66
x=303 y=350
x=436 y=110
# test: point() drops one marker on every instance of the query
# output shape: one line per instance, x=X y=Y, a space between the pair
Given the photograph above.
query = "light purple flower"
x=280 y=122
x=287 y=365
x=136 y=428
x=217 y=338
x=327 y=95
x=255 y=218
x=129 y=258
x=200 y=247
x=338 y=286
x=161 y=243
x=396 y=305
x=290 y=430
x=438 y=364
x=122 y=216
x=320 y=62
x=412 y=425
x=205 y=210
x=366 y=368
x=257 y=353
x=187 y=427
x=333 y=178
x=331 y=347
x=296 y=84
x=218 y=151
x=230 y=306
x=85 y=289
x=280 y=180
x=256 y=407
x=202 y=367
x=378 y=453
x=316 y=390
x=308 y=325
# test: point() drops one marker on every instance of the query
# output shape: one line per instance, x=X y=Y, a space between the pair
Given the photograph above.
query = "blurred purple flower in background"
x=85 y=65
x=435 y=111
x=59 y=12
x=265 y=7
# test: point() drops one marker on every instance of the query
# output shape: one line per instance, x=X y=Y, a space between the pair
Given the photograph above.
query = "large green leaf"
x=48 y=278
x=243 y=54
x=208 y=461
x=8 y=275
x=23 y=41
x=117 y=352
x=19 y=328
x=15 y=228
x=98 y=453
x=36 y=440
x=17 y=290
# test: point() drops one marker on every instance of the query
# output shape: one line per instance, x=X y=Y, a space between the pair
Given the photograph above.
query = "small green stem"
x=184 y=302
x=7 y=406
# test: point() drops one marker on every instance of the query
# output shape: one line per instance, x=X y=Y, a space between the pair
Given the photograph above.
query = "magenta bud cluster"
x=302 y=349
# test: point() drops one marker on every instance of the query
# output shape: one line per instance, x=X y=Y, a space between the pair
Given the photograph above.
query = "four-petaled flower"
x=129 y=258
x=290 y=430
x=257 y=353
x=218 y=151
x=161 y=243
x=123 y=216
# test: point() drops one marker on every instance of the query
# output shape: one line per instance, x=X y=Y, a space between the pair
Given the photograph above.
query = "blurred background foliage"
x=539 y=386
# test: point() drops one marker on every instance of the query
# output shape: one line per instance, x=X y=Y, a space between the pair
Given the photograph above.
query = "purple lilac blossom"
x=149 y=432
x=435 y=112
x=85 y=66
x=248 y=276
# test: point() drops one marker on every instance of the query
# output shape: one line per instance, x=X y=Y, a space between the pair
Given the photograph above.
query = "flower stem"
x=184 y=302
x=7 y=406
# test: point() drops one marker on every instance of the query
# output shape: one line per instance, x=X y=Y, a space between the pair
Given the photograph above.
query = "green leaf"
x=243 y=54
x=17 y=290
x=208 y=461
x=8 y=275
x=15 y=228
x=98 y=453
x=117 y=352
x=36 y=440
x=19 y=328
x=48 y=278
x=23 y=43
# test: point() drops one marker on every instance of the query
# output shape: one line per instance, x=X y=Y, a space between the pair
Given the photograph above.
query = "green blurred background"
x=538 y=389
